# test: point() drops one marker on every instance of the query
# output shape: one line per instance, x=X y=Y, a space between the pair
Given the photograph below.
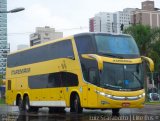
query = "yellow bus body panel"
x=86 y=91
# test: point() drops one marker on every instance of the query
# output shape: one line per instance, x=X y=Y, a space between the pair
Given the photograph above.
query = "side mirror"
x=149 y=62
x=94 y=57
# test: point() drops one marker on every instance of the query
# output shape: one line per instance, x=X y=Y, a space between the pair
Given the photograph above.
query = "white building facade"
x=103 y=22
x=123 y=17
x=111 y=22
x=44 y=34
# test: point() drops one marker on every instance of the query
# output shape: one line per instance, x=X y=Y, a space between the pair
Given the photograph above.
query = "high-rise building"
x=122 y=17
x=4 y=47
x=44 y=34
x=102 y=22
x=148 y=15
x=111 y=22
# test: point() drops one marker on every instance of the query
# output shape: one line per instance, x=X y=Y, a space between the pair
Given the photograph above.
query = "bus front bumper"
x=107 y=101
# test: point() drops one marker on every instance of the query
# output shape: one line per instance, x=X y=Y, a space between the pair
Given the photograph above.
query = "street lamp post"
x=13 y=10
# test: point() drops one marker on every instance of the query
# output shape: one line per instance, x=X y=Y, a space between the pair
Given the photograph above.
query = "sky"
x=67 y=16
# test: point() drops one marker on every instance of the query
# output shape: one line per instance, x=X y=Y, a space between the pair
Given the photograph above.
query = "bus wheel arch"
x=75 y=104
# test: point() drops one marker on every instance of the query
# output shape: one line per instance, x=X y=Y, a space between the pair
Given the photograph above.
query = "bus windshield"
x=116 y=45
x=122 y=77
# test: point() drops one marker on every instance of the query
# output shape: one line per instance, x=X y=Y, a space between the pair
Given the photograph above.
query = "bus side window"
x=51 y=81
x=84 y=45
x=54 y=80
x=69 y=79
x=93 y=76
x=9 y=84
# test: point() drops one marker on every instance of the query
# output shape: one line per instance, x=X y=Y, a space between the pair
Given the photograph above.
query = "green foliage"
x=2 y=101
x=1 y=81
x=148 y=41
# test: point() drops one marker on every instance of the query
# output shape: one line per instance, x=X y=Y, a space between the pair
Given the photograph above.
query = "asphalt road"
x=148 y=113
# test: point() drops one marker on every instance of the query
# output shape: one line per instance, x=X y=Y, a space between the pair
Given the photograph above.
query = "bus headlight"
x=103 y=94
x=121 y=97
x=142 y=95
x=107 y=95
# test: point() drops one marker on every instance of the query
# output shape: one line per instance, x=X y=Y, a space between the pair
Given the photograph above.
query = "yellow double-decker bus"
x=88 y=70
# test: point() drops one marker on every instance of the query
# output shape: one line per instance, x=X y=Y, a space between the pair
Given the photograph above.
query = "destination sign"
x=20 y=71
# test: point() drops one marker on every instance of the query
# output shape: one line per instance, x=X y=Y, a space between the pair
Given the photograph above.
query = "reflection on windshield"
x=122 y=77
x=116 y=44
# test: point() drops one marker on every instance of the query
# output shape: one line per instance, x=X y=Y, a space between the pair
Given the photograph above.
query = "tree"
x=148 y=41
x=1 y=79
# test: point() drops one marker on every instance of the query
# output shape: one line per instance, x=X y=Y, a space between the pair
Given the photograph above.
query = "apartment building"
x=148 y=15
x=44 y=34
x=102 y=22
x=110 y=22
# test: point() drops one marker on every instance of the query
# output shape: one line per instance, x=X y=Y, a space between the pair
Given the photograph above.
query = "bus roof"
x=42 y=44
x=60 y=39
x=95 y=33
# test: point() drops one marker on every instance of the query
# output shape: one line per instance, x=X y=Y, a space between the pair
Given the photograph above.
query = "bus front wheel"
x=76 y=105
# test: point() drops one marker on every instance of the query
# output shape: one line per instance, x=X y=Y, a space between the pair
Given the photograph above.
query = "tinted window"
x=122 y=77
x=53 y=80
x=69 y=79
x=38 y=81
x=118 y=44
x=56 y=50
x=84 y=45
x=93 y=76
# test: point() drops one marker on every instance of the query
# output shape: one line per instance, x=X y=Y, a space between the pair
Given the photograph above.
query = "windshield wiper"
x=137 y=78
x=112 y=55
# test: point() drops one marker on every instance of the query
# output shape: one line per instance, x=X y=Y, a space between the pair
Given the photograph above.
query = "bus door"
x=92 y=88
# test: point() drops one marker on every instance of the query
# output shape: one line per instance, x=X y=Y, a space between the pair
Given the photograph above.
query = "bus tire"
x=20 y=104
x=76 y=105
x=27 y=107
x=115 y=112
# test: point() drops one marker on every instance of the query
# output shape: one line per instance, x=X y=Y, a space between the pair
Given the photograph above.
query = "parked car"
x=154 y=97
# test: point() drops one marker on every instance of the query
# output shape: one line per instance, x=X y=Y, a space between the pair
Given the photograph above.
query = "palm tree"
x=148 y=41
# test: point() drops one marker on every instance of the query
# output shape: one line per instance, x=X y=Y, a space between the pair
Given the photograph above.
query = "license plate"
x=125 y=104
